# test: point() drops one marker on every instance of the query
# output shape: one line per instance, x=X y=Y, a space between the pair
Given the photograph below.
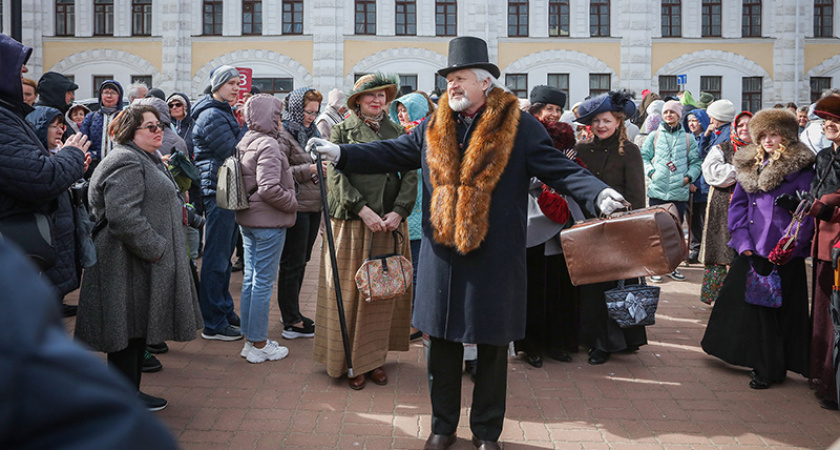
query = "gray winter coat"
x=141 y=286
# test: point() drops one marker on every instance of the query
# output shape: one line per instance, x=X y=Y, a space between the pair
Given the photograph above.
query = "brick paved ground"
x=670 y=394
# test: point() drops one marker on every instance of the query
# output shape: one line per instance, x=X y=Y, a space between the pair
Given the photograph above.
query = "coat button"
x=753 y=203
x=751 y=222
x=460 y=145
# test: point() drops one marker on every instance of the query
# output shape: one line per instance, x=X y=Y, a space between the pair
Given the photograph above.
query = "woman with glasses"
x=302 y=106
x=96 y=124
x=141 y=288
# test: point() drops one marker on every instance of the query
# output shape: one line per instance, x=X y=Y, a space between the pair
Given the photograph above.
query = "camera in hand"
x=193 y=219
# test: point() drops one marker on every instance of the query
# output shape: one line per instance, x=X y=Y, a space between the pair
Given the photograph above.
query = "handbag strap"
x=398 y=237
x=642 y=282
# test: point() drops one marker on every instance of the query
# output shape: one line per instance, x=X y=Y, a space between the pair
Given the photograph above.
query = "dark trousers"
x=296 y=253
x=487 y=413
x=698 y=219
x=129 y=360
x=214 y=297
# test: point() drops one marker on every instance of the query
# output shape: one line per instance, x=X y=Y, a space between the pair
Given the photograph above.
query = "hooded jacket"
x=184 y=127
x=72 y=127
x=215 y=135
x=30 y=179
x=52 y=91
x=96 y=124
x=265 y=168
x=702 y=194
x=171 y=140
x=664 y=146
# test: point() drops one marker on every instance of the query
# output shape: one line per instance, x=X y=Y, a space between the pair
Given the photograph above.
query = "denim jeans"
x=214 y=297
x=262 y=248
x=296 y=253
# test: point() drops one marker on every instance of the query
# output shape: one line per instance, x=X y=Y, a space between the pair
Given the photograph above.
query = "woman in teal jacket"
x=672 y=162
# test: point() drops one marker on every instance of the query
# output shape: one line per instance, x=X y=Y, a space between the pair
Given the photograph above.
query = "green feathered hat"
x=374 y=82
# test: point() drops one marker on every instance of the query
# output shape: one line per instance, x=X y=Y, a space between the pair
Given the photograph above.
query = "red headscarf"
x=737 y=143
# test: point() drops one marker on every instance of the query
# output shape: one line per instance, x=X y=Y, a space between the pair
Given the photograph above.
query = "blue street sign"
x=682 y=79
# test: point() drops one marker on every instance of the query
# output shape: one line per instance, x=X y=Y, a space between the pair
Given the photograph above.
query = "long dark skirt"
x=822 y=335
x=769 y=340
x=600 y=332
x=551 y=324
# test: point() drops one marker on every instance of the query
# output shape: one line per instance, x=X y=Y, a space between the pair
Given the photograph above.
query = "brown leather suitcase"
x=625 y=245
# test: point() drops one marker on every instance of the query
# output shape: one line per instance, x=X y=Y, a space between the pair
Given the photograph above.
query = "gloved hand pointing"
x=329 y=151
x=609 y=200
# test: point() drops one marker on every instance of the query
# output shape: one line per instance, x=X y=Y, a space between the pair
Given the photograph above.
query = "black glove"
x=787 y=201
x=835 y=255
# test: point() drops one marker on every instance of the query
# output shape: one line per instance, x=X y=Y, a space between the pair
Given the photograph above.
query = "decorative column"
x=788 y=55
x=176 y=17
x=327 y=24
x=635 y=23
x=31 y=35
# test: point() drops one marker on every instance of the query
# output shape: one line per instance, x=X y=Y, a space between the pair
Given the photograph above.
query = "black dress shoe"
x=440 y=441
x=598 y=356
x=828 y=404
x=485 y=445
x=534 y=360
x=758 y=383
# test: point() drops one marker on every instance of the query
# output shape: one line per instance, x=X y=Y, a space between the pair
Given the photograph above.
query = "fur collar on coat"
x=463 y=186
x=795 y=158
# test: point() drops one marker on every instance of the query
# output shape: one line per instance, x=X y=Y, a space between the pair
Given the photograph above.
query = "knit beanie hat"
x=221 y=75
x=722 y=110
x=705 y=99
x=673 y=105
x=336 y=98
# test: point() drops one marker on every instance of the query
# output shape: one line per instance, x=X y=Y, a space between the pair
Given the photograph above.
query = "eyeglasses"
x=153 y=127
x=310 y=113
x=176 y=105
x=59 y=126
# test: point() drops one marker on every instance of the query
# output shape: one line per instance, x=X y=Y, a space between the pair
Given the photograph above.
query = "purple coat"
x=755 y=223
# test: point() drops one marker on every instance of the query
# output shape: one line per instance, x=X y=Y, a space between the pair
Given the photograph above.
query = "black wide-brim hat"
x=468 y=52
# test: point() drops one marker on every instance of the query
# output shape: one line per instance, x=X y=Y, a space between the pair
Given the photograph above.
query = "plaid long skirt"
x=373 y=328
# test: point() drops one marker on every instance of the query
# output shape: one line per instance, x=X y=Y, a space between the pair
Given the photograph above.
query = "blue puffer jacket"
x=66 y=273
x=30 y=180
x=702 y=193
x=665 y=146
x=215 y=135
x=92 y=125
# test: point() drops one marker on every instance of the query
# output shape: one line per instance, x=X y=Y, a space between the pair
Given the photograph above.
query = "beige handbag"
x=384 y=277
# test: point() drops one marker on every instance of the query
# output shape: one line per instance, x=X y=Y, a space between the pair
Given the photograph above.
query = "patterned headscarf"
x=294 y=117
x=737 y=142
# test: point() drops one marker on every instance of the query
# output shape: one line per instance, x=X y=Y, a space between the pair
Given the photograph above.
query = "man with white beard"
x=478 y=155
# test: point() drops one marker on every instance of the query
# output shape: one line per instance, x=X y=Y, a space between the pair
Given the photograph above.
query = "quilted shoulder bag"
x=384 y=277
x=230 y=185
x=633 y=305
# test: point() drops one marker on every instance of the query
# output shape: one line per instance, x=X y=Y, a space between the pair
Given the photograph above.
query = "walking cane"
x=331 y=244
x=689 y=218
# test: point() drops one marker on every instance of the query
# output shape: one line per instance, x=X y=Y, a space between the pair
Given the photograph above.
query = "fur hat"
x=781 y=121
x=548 y=94
x=673 y=106
x=828 y=108
x=722 y=110
x=374 y=82
x=222 y=75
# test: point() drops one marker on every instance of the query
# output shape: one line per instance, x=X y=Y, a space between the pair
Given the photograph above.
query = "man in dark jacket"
x=215 y=135
x=471 y=280
x=56 y=91
x=31 y=181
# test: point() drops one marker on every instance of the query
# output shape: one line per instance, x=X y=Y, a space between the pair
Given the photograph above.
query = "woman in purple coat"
x=769 y=340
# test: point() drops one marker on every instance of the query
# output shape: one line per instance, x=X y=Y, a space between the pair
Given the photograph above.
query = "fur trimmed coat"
x=478 y=295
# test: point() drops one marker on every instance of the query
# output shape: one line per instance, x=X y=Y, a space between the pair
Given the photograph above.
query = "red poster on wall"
x=245 y=75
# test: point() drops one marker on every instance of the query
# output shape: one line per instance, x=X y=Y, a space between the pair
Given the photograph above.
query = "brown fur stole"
x=460 y=204
x=795 y=158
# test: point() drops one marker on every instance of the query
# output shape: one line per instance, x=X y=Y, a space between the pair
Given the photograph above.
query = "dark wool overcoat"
x=142 y=286
x=478 y=297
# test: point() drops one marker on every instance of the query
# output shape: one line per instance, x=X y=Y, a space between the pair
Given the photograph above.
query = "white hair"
x=482 y=74
x=132 y=90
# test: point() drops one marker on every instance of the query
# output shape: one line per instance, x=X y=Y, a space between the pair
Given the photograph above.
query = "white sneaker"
x=271 y=352
x=246 y=349
x=656 y=278
x=676 y=275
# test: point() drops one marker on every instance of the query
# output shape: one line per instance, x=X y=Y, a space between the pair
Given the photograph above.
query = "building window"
x=599 y=18
x=517 y=18
x=141 y=17
x=213 y=14
x=668 y=86
x=751 y=94
x=560 y=81
x=751 y=18
x=599 y=83
x=292 y=16
x=710 y=26
x=98 y=80
x=409 y=80
x=251 y=17
x=103 y=17
x=823 y=18
x=145 y=79
x=446 y=17
x=518 y=84
x=671 y=18
x=65 y=17
x=711 y=84
x=406 y=18
x=366 y=17
x=275 y=86
x=818 y=85
x=558 y=18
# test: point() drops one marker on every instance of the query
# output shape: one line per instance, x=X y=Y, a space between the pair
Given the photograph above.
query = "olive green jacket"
x=381 y=192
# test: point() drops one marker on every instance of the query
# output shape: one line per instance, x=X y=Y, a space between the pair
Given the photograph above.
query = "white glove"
x=610 y=200
x=329 y=151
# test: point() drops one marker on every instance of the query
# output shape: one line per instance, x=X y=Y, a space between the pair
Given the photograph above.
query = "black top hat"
x=548 y=94
x=467 y=52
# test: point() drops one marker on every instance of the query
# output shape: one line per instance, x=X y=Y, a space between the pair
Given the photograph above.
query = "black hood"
x=52 y=90
x=13 y=55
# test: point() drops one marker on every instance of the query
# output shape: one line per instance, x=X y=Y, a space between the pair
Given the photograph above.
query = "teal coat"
x=657 y=152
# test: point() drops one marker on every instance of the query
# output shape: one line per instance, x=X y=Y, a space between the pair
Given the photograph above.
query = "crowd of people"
x=472 y=185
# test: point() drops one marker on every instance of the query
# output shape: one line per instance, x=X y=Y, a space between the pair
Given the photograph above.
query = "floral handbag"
x=384 y=277
x=763 y=290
